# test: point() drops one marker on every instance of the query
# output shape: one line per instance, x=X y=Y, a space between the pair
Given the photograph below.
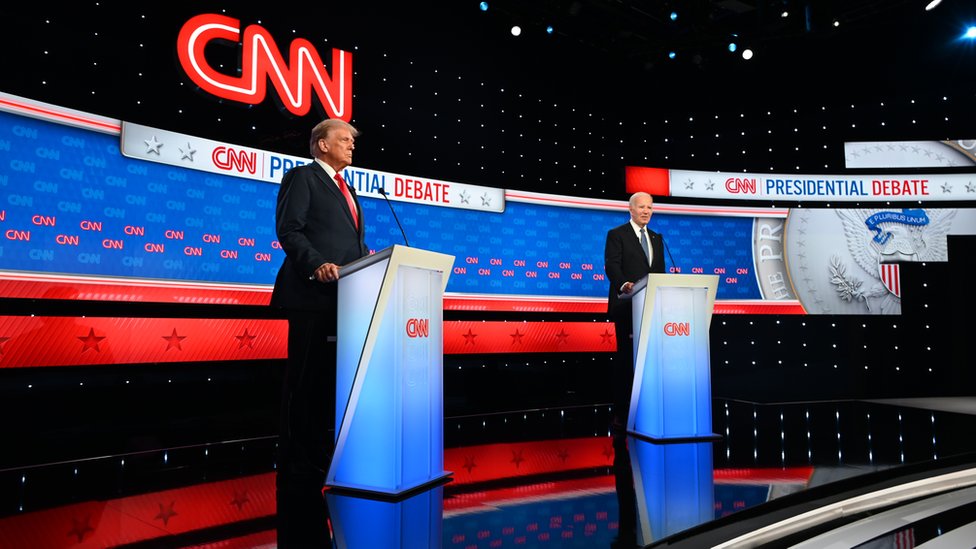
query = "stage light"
x=931 y=5
x=733 y=47
x=549 y=29
x=674 y=16
x=970 y=33
x=785 y=14
x=747 y=54
x=483 y=6
x=516 y=30
x=672 y=55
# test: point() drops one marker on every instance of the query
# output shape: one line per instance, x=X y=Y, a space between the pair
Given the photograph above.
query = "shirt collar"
x=328 y=169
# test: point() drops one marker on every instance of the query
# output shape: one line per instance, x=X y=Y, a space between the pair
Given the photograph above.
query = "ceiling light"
x=516 y=30
x=931 y=5
x=747 y=54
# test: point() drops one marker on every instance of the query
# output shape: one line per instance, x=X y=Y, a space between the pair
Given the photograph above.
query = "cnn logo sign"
x=740 y=185
x=418 y=327
x=295 y=80
x=677 y=329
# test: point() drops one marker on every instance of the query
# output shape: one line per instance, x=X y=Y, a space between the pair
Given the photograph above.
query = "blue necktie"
x=645 y=245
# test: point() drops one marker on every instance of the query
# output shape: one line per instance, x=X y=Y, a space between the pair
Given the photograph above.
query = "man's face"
x=640 y=212
x=337 y=148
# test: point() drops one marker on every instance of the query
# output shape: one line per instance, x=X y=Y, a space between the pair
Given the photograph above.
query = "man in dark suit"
x=626 y=261
x=320 y=227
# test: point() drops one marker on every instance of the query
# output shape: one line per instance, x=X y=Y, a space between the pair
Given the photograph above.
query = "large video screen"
x=103 y=210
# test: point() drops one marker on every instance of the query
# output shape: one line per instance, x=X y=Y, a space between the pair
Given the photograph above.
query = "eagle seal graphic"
x=878 y=240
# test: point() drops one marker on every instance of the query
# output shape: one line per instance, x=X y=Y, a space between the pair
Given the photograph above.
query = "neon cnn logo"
x=261 y=60
x=736 y=185
x=418 y=327
x=677 y=329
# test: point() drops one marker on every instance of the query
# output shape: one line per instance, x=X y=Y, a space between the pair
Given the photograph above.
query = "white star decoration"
x=152 y=145
x=188 y=153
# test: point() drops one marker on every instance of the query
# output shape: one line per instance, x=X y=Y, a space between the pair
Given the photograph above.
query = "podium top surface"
x=674 y=280
x=402 y=254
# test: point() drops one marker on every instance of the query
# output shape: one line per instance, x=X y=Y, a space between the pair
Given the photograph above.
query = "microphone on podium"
x=665 y=242
x=390 y=204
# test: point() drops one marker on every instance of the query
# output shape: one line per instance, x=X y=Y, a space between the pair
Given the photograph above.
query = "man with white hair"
x=632 y=252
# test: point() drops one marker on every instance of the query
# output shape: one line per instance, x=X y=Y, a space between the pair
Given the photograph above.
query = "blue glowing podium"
x=389 y=372
x=674 y=485
x=671 y=397
x=416 y=520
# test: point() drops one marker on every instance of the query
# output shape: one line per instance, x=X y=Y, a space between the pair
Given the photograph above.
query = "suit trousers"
x=622 y=373
x=307 y=422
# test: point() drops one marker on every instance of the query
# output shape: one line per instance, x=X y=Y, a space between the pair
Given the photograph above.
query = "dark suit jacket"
x=624 y=261
x=314 y=226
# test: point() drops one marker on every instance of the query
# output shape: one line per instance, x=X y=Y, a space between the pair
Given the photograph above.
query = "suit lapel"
x=636 y=245
x=333 y=188
x=634 y=240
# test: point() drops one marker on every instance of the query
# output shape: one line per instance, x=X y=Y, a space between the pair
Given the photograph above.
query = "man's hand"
x=627 y=288
x=327 y=272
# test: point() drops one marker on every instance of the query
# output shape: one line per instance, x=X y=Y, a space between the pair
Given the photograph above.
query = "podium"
x=674 y=487
x=671 y=396
x=389 y=372
x=368 y=523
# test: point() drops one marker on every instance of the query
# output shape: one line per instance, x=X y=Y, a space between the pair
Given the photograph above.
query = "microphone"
x=390 y=204
x=665 y=242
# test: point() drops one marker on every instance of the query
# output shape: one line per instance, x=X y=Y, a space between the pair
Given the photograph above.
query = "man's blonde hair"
x=322 y=129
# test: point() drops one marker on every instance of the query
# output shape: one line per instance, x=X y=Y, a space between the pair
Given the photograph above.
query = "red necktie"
x=349 y=201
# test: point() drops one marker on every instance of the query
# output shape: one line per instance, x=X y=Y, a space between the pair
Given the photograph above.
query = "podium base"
x=389 y=496
x=707 y=437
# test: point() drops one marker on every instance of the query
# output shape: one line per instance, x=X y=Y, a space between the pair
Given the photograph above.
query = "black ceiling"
x=871 y=38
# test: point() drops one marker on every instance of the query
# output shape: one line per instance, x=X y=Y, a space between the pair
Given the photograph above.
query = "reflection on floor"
x=961 y=405
x=550 y=478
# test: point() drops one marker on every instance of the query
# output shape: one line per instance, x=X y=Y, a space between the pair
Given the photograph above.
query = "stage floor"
x=535 y=478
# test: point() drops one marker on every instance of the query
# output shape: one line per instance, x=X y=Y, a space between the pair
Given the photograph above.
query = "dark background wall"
x=443 y=90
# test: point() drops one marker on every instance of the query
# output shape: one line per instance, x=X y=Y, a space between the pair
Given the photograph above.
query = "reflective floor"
x=542 y=478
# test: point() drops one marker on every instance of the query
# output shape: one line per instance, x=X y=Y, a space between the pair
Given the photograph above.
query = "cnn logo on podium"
x=677 y=329
x=418 y=327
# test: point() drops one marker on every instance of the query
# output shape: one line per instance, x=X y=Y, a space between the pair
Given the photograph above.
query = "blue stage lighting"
x=970 y=33
x=733 y=47
x=549 y=29
x=483 y=6
x=672 y=55
x=674 y=16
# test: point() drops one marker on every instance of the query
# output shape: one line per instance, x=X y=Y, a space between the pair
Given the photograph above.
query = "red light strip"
x=39 y=341
x=558 y=200
x=466 y=337
x=56 y=114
